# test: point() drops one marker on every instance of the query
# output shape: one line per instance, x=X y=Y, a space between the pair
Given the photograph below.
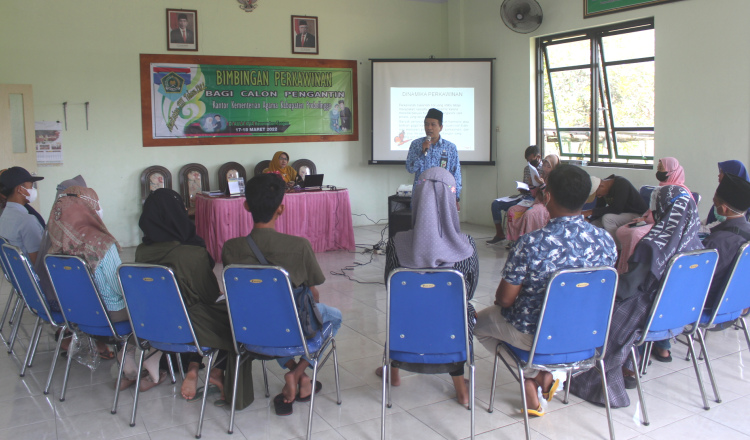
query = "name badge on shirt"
x=444 y=160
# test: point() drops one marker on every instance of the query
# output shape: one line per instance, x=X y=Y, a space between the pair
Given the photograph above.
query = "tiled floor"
x=423 y=405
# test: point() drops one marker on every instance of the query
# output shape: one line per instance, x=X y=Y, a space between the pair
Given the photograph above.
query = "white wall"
x=702 y=89
x=87 y=50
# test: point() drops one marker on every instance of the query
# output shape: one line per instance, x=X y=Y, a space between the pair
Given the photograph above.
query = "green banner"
x=597 y=7
x=223 y=101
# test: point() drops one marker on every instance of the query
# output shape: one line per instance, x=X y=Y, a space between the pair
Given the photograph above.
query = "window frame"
x=601 y=120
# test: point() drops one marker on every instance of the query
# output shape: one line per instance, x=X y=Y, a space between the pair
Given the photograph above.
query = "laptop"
x=313 y=181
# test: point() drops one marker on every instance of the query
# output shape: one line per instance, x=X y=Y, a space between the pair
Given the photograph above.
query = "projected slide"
x=409 y=105
x=404 y=90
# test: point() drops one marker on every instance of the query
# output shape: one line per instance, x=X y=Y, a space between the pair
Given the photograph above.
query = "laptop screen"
x=313 y=180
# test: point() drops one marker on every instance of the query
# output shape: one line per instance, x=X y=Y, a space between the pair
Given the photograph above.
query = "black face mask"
x=534 y=163
x=661 y=176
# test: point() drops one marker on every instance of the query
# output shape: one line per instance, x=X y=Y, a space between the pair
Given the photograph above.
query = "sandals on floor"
x=106 y=355
x=539 y=412
x=212 y=389
x=552 y=389
x=282 y=408
x=318 y=387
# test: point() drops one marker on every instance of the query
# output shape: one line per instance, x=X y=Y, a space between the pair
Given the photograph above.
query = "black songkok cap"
x=434 y=113
x=735 y=191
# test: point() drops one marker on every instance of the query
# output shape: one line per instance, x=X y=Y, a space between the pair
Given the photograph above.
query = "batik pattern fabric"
x=565 y=242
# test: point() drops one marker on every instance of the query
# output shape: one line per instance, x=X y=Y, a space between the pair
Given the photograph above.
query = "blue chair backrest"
x=261 y=306
x=427 y=313
x=736 y=295
x=576 y=312
x=4 y=263
x=78 y=296
x=153 y=299
x=683 y=291
x=27 y=283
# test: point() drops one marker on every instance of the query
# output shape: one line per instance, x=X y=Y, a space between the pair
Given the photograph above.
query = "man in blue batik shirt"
x=434 y=151
x=567 y=241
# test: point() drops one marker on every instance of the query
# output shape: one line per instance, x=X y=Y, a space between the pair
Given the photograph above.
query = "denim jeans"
x=329 y=314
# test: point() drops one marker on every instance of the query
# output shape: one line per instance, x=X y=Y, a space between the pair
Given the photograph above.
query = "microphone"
x=429 y=139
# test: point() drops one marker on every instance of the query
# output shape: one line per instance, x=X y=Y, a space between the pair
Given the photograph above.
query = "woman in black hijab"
x=170 y=240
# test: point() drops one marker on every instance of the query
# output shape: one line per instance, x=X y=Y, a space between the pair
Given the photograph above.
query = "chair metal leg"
x=37 y=329
x=7 y=308
x=67 y=373
x=16 y=308
x=119 y=375
x=522 y=381
x=494 y=382
x=14 y=333
x=603 y=372
x=697 y=372
x=335 y=371
x=234 y=390
x=702 y=342
x=567 y=386
x=54 y=360
x=385 y=371
x=641 y=397
x=171 y=368
x=211 y=358
x=179 y=365
x=33 y=348
x=743 y=326
x=312 y=399
x=265 y=377
x=472 y=402
x=646 y=357
x=138 y=387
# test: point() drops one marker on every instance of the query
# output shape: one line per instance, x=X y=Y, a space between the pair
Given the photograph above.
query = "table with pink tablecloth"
x=323 y=217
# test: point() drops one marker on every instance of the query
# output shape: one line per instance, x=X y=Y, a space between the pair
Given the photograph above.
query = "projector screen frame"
x=489 y=162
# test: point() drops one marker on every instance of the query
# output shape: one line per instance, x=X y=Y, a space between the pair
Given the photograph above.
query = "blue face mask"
x=720 y=218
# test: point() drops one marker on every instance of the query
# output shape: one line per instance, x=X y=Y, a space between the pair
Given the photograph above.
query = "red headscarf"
x=675 y=173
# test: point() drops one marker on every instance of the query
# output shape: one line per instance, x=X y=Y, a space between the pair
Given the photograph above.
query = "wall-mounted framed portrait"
x=182 y=29
x=305 y=35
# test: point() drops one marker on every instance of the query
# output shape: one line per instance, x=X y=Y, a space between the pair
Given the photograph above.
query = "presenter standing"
x=434 y=151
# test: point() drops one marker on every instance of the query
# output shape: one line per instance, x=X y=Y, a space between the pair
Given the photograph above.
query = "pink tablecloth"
x=323 y=217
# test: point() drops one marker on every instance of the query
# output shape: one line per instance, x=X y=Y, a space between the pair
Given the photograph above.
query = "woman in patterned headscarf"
x=675 y=230
x=435 y=240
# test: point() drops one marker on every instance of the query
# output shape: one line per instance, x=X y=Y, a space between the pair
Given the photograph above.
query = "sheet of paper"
x=521 y=185
x=49 y=150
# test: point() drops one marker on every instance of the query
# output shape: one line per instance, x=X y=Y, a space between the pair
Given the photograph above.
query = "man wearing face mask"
x=731 y=201
x=20 y=223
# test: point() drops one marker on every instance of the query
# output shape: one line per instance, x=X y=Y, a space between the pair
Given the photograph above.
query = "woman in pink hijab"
x=668 y=172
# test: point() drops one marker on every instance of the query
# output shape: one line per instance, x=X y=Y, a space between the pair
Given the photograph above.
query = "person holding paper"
x=434 y=151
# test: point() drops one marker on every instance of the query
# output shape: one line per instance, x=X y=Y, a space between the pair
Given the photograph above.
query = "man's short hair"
x=531 y=151
x=264 y=194
x=341 y=101
x=303 y=22
x=570 y=186
x=181 y=16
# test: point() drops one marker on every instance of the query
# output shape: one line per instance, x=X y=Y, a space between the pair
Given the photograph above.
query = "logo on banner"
x=172 y=83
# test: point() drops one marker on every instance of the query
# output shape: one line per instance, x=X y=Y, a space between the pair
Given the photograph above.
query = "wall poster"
x=593 y=8
x=210 y=100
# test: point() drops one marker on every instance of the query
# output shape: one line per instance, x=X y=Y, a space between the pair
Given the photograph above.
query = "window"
x=598 y=84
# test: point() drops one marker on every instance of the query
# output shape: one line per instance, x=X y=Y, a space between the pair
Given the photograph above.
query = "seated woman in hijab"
x=75 y=227
x=170 y=240
x=675 y=229
x=435 y=240
x=522 y=218
x=668 y=172
x=280 y=165
x=731 y=167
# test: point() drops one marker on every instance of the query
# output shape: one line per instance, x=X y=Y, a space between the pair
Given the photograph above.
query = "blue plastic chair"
x=14 y=294
x=264 y=322
x=36 y=302
x=159 y=319
x=426 y=323
x=564 y=343
x=734 y=299
x=677 y=309
x=83 y=309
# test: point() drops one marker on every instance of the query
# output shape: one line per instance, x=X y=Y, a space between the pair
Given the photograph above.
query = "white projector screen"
x=403 y=91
